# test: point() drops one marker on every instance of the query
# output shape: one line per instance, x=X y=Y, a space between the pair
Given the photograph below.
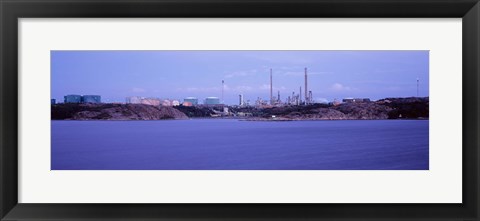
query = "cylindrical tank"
x=72 y=98
x=212 y=100
x=192 y=100
x=94 y=99
x=151 y=101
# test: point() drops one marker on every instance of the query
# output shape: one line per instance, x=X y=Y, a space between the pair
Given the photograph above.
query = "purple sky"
x=178 y=74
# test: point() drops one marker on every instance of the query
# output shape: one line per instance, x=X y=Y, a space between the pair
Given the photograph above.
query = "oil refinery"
x=301 y=97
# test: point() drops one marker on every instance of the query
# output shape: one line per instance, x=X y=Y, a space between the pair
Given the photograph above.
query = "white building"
x=133 y=100
x=151 y=101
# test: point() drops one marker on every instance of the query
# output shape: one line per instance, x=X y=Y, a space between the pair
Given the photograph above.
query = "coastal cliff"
x=114 y=112
x=388 y=108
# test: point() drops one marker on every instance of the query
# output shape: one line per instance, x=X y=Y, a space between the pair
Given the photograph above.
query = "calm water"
x=216 y=144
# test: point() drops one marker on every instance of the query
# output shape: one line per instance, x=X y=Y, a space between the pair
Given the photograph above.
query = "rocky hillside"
x=410 y=107
x=389 y=108
x=114 y=112
x=196 y=111
x=364 y=111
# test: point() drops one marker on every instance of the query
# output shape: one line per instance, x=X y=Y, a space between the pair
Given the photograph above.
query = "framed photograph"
x=255 y=110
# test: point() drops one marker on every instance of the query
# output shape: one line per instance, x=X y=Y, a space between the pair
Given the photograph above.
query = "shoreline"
x=391 y=108
x=252 y=120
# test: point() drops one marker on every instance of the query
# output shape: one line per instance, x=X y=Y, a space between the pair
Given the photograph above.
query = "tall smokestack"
x=307 y=98
x=293 y=97
x=271 y=87
x=300 y=97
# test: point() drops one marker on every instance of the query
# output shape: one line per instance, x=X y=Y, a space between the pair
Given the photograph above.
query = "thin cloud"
x=243 y=88
x=320 y=100
x=203 y=89
x=339 y=87
x=240 y=88
x=267 y=87
x=302 y=73
x=241 y=73
x=138 y=90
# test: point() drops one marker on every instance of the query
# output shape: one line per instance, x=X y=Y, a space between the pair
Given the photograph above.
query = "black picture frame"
x=12 y=10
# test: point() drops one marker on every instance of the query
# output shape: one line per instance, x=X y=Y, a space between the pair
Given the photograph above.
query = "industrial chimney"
x=300 y=97
x=307 y=98
x=223 y=87
x=271 y=87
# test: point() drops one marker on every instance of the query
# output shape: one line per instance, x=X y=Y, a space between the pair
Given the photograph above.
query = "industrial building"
x=301 y=96
x=167 y=103
x=295 y=99
x=212 y=101
x=72 y=98
x=92 y=99
x=153 y=101
x=241 y=102
x=142 y=100
x=133 y=100
x=260 y=102
x=150 y=101
x=192 y=100
x=356 y=100
x=187 y=104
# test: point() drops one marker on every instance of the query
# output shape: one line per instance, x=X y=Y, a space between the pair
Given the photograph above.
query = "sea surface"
x=227 y=144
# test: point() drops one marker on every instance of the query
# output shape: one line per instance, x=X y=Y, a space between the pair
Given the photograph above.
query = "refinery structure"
x=302 y=97
x=293 y=99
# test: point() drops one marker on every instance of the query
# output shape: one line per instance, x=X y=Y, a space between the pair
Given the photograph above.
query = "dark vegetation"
x=410 y=108
x=67 y=111
x=113 y=112
x=195 y=111
x=389 y=108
